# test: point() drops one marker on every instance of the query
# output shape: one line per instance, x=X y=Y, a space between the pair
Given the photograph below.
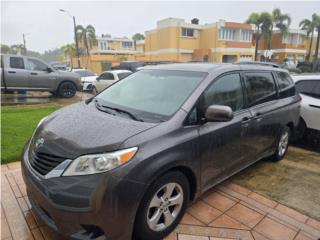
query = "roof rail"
x=269 y=64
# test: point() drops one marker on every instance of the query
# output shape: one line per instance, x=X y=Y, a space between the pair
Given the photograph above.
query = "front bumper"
x=99 y=206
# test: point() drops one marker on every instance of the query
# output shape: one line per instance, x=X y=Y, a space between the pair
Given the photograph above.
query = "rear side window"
x=227 y=91
x=107 y=76
x=16 y=62
x=285 y=84
x=309 y=87
x=260 y=87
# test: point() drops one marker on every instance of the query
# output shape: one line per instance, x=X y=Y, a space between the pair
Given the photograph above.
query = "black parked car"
x=157 y=140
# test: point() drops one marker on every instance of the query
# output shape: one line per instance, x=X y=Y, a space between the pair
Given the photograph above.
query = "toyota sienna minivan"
x=158 y=139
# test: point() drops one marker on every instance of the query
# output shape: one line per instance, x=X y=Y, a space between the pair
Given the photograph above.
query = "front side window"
x=227 y=91
x=36 y=65
x=309 y=87
x=16 y=62
x=152 y=94
x=106 y=76
x=260 y=87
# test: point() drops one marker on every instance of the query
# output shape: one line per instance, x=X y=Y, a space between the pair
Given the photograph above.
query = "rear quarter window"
x=285 y=85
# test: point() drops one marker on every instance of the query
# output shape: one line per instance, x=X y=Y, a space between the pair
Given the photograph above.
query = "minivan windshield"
x=152 y=94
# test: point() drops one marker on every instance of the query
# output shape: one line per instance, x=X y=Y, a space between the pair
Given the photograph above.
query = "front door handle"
x=33 y=73
x=12 y=72
x=246 y=119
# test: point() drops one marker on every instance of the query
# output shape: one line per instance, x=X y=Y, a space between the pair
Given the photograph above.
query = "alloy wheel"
x=165 y=206
x=283 y=143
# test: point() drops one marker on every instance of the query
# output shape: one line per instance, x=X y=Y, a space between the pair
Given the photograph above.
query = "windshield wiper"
x=124 y=111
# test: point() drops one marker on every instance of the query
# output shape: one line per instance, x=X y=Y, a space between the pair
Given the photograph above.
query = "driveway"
x=227 y=211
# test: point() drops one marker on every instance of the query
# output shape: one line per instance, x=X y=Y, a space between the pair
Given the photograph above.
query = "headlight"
x=97 y=163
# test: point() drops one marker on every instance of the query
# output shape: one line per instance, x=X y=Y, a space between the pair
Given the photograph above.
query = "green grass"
x=17 y=126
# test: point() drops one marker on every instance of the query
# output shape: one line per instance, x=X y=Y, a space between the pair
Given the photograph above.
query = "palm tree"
x=262 y=23
x=308 y=26
x=316 y=20
x=87 y=36
x=136 y=37
x=70 y=51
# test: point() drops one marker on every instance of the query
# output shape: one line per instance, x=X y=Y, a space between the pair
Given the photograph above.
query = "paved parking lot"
x=227 y=211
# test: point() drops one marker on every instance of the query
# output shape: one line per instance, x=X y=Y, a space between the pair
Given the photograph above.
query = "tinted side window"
x=286 y=85
x=227 y=90
x=16 y=62
x=311 y=87
x=260 y=87
x=107 y=76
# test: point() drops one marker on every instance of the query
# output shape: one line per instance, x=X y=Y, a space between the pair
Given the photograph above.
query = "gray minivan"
x=29 y=73
x=158 y=139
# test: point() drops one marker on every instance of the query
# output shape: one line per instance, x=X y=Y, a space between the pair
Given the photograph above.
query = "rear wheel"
x=283 y=144
x=162 y=207
x=67 y=89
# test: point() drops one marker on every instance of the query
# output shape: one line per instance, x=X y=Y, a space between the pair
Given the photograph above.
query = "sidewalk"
x=226 y=212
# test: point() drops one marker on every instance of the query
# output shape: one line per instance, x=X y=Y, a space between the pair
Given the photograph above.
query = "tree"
x=86 y=36
x=70 y=51
x=308 y=26
x=262 y=23
x=5 y=48
x=136 y=37
x=316 y=20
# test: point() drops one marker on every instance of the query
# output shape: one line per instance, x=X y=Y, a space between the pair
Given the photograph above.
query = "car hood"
x=88 y=79
x=83 y=129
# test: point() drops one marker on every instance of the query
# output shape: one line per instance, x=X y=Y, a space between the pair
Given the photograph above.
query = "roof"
x=117 y=71
x=211 y=67
x=311 y=76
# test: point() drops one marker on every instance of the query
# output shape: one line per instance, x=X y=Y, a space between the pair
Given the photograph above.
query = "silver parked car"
x=29 y=73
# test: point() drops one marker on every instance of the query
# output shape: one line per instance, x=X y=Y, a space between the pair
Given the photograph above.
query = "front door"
x=224 y=146
x=40 y=77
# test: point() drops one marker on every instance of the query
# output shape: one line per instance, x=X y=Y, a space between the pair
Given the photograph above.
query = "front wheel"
x=162 y=207
x=67 y=89
x=283 y=144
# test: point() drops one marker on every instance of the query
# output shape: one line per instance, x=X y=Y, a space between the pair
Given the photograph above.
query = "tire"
x=94 y=91
x=301 y=130
x=282 y=144
x=67 y=89
x=163 y=224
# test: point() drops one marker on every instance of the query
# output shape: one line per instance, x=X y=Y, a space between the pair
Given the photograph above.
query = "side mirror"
x=218 y=113
x=49 y=70
x=98 y=78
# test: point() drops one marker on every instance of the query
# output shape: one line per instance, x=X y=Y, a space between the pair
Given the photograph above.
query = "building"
x=108 y=52
x=178 y=41
x=291 y=46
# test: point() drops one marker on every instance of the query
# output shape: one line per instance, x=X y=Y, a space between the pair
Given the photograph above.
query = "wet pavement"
x=226 y=212
x=33 y=98
x=294 y=181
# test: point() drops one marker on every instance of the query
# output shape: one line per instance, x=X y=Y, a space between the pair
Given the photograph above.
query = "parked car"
x=307 y=66
x=29 y=73
x=158 y=139
x=132 y=66
x=87 y=77
x=308 y=85
x=107 y=78
x=59 y=66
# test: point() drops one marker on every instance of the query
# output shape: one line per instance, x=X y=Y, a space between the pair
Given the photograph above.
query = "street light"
x=24 y=42
x=75 y=33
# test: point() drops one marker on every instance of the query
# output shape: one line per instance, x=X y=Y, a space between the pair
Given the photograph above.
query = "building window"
x=187 y=32
x=227 y=34
x=127 y=44
x=246 y=36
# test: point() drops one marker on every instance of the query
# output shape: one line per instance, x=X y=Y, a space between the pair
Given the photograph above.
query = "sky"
x=48 y=28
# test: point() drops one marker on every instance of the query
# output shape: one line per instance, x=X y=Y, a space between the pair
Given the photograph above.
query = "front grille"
x=43 y=163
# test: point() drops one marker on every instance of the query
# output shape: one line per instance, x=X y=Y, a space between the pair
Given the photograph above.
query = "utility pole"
x=24 y=44
x=75 y=34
